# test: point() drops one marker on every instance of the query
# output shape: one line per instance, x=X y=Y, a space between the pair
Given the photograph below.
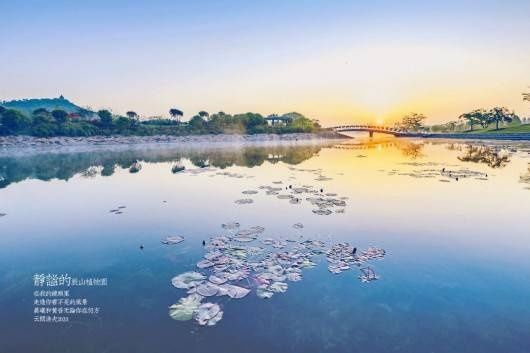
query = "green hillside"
x=27 y=106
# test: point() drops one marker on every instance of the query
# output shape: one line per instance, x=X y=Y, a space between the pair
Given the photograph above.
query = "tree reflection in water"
x=485 y=155
x=64 y=166
x=411 y=150
x=525 y=178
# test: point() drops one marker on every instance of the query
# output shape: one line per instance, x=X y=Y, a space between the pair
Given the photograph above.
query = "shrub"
x=14 y=121
x=44 y=130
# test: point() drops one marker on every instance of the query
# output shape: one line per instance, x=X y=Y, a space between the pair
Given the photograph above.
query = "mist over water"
x=454 y=279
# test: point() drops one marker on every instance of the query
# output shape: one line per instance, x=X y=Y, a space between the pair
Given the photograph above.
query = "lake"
x=453 y=219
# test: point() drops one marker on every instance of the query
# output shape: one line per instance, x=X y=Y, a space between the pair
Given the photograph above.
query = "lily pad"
x=233 y=291
x=278 y=287
x=185 y=308
x=230 y=225
x=207 y=289
x=217 y=279
x=244 y=201
x=264 y=293
x=188 y=280
x=298 y=226
x=322 y=212
x=208 y=314
x=172 y=240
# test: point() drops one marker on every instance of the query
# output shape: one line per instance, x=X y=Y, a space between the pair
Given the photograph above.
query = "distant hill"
x=27 y=106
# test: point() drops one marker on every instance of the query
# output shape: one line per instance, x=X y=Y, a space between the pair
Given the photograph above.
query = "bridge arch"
x=371 y=129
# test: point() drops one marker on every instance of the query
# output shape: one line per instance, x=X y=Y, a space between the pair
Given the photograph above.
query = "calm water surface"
x=456 y=277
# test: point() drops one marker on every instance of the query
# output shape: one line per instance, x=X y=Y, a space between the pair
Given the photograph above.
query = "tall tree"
x=482 y=117
x=412 y=122
x=105 y=117
x=473 y=118
x=176 y=113
x=501 y=114
x=204 y=114
x=131 y=115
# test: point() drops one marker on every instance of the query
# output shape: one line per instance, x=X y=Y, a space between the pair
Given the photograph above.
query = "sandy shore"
x=29 y=144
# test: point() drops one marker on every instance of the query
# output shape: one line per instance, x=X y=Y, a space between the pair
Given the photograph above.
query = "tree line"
x=478 y=117
x=45 y=123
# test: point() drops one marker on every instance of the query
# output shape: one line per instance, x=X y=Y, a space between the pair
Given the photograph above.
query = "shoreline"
x=471 y=136
x=25 y=145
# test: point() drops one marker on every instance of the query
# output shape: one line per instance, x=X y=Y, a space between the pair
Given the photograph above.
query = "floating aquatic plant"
x=185 y=308
x=172 y=240
x=187 y=280
x=237 y=263
x=249 y=192
x=230 y=225
x=298 y=226
x=244 y=201
x=208 y=314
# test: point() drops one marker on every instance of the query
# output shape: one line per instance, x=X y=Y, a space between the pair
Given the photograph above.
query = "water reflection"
x=64 y=166
x=446 y=281
x=486 y=155
x=525 y=177
x=410 y=149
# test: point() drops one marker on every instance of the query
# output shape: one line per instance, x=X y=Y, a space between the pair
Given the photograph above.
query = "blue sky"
x=333 y=60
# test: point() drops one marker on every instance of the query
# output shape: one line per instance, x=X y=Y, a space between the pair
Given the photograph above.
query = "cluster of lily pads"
x=234 y=175
x=444 y=175
x=243 y=260
x=325 y=203
x=318 y=173
x=343 y=256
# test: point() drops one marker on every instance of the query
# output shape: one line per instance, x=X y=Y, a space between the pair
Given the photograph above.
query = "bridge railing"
x=373 y=128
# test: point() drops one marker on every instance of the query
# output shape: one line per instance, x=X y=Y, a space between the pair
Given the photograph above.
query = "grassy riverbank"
x=513 y=129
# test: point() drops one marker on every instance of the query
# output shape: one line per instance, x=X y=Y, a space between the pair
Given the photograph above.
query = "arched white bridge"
x=371 y=129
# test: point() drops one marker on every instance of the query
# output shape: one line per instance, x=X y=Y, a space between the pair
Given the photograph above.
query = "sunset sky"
x=337 y=61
